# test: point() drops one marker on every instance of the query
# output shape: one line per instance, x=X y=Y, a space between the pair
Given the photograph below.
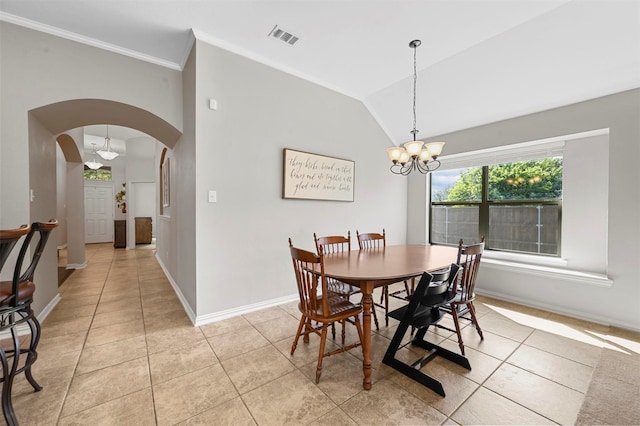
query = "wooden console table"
x=143 y=230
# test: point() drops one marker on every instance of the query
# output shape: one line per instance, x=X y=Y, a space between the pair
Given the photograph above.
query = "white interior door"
x=98 y=216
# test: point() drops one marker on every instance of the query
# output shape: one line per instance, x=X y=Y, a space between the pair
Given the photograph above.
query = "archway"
x=62 y=116
x=55 y=122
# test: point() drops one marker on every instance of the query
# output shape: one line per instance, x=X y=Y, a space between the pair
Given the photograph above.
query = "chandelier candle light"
x=93 y=164
x=416 y=155
x=108 y=154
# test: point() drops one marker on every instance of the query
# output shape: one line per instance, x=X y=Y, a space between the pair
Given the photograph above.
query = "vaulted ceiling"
x=480 y=60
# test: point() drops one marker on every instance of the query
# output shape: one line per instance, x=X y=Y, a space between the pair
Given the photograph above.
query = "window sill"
x=591 y=278
x=525 y=259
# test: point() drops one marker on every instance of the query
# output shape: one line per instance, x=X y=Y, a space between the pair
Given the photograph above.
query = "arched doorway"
x=55 y=122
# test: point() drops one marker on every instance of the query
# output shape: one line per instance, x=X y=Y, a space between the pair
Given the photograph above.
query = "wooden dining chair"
x=18 y=293
x=373 y=240
x=423 y=310
x=318 y=305
x=469 y=260
x=339 y=244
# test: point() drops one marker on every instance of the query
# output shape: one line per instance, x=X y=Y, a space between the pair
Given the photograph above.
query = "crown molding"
x=48 y=29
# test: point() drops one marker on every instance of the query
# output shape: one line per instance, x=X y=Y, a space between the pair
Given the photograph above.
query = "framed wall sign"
x=317 y=177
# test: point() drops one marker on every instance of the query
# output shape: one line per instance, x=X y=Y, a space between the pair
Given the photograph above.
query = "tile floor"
x=119 y=349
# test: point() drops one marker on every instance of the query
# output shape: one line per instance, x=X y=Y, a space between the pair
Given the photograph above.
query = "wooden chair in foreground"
x=423 y=310
x=319 y=305
x=372 y=240
x=339 y=244
x=18 y=293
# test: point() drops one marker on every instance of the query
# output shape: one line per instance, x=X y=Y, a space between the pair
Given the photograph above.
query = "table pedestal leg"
x=367 y=304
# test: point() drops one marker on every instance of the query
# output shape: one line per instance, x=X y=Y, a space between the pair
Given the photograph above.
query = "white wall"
x=619 y=303
x=242 y=256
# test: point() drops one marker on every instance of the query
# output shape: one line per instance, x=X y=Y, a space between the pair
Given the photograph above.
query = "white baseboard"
x=218 y=316
x=47 y=309
x=183 y=300
x=77 y=265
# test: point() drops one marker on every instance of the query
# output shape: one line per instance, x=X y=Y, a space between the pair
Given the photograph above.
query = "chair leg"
x=32 y=355
x=9 y=371
x=323 y=340
x=456 y=322
x=344 y=334
x=375 y=317
x=356 y=321
x=472 y=311
x=385 y=292
x=298 y=333
x=406 y=289
x=308 y=328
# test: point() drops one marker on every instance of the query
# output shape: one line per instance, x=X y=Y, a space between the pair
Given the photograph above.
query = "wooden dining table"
x=376 y=267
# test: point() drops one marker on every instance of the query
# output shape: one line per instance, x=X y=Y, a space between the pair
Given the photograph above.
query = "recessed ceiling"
x=480 y=60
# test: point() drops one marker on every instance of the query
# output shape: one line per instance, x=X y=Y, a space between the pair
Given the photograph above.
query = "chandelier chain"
x=415 y=82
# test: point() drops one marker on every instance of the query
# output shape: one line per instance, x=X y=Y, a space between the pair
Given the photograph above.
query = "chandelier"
x=416 y=155
x=93 y=164
x=108 y=154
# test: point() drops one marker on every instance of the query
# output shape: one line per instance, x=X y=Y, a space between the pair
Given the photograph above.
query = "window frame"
x=484 y=206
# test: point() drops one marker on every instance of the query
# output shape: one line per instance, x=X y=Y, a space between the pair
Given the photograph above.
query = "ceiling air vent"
x=283 y=35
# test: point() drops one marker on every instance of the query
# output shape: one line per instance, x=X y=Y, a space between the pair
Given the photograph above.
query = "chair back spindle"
x=312 y=287
x=371 y=240
x=333 y=243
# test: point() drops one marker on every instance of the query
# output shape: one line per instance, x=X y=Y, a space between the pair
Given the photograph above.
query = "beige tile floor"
x=119 y=349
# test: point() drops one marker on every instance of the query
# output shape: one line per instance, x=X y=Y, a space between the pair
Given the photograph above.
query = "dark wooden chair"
x=469 y=260
x=423 y=310
x=339 y=244
x=18 y=293
x=373 y=240
x=8 y=322
x=318 y=305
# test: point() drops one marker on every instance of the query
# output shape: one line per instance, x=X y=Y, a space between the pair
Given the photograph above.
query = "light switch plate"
x=213 y=196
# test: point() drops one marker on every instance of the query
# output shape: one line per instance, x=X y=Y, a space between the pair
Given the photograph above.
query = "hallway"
x=119 y=349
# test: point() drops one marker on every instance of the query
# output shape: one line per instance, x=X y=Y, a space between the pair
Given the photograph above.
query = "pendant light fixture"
x=416 y=155
x=108 y=154
x=93 y=164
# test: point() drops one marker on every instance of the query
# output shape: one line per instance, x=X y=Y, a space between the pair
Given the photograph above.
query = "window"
x=516 y=205
x=103 y=173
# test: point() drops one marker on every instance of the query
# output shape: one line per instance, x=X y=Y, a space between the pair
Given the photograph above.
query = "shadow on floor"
x=63 y=274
